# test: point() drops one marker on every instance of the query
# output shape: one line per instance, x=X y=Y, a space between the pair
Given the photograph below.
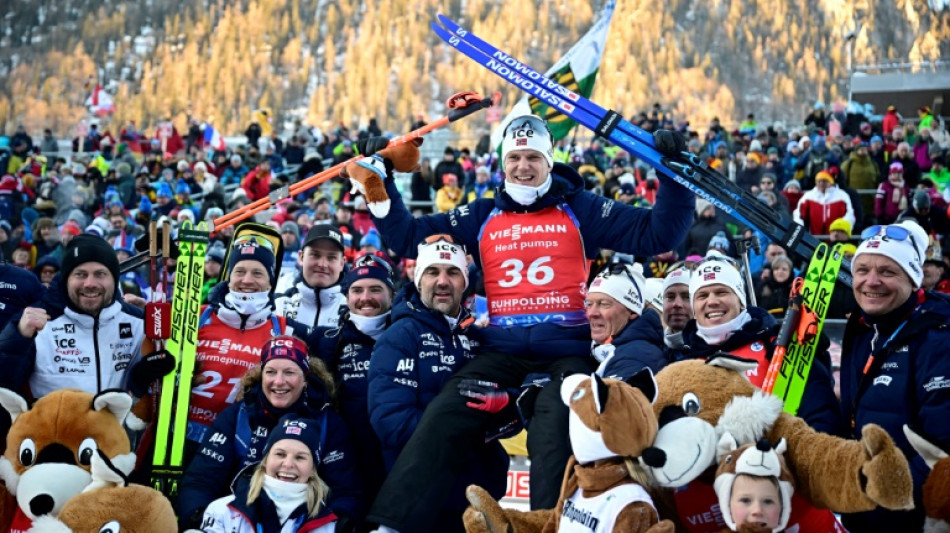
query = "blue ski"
x=688 y=170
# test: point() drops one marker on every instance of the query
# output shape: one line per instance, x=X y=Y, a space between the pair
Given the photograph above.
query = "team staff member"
x=415 y=358
x=347 y=350
x=533 y=241
x=677 y=310
x=83 y=335
x=894 y=364
x=316 y=299
x=626 y=335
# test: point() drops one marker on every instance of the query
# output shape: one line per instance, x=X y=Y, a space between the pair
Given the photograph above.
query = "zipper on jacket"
x=95 y=344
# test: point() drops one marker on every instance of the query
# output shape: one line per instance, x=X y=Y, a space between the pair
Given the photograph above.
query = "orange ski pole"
x=460 y=106
x=784 y=334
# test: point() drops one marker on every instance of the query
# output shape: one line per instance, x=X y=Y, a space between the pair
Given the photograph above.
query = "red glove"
x=486 y=395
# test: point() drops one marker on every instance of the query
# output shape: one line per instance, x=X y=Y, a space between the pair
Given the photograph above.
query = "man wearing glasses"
x=894 y=364
x=533 y=242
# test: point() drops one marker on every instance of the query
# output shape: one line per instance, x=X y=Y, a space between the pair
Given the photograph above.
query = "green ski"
x=816 y=296
x=174 y=401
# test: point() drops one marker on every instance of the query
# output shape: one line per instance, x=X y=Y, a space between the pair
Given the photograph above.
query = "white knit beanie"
x=625 y=287
x=440 y=252
x=908 y=253
x=716 y=271
x=528 y=132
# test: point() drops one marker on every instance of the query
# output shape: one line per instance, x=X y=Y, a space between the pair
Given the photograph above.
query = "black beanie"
x=86 y=247
x=245 y=250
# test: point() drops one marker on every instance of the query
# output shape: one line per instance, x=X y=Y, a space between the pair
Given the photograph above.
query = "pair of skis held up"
x=791 y=368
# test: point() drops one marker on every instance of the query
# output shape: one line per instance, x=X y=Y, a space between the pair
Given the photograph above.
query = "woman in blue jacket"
x=287 y=382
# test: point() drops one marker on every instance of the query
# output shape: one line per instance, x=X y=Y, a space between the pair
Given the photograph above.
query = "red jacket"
x=256 y=184
x=890 y=121
x=817 y=210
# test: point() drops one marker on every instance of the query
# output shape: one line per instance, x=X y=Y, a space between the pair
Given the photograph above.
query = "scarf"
x=716 y=335
x=242 y=310
x=525 y=194
x=372 y=326
x=287 y=496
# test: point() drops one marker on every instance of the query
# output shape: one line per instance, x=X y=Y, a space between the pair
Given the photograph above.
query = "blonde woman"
x=282 y=493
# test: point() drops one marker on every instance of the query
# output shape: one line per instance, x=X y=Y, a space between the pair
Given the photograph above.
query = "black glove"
x=669 y=142
x=370 y=145
x=150 y=368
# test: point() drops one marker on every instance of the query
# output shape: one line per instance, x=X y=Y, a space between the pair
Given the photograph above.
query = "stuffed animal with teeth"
x=700 y=400
x=368 y=173
x=111 y=505
x=760 y=460
x=611 y=422
x=50 y=448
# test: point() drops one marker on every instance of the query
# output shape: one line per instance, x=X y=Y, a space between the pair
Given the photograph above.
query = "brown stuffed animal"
x=699 y=401
x=368 y=173
x=611 y=423
x=51 y=446
x=937 y=487
x=111 y=504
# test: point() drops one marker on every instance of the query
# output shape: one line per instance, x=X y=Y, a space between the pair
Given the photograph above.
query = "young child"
x=756 y=501
x=754 y=487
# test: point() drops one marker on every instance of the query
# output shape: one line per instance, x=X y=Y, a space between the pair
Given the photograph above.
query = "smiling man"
x=626 y=336
x=347 y=349
x=894 y=364
x=723 y=322
x=90 y=342
x=533 y=241
x=415 y=358
x=316 y=298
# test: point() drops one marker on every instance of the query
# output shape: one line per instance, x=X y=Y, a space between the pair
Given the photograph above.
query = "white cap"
x=440 y=252
x=680 y=276
x=653 y=292
x=909 y=254
x=528 y=132
x=623 y=283
x=716 y=270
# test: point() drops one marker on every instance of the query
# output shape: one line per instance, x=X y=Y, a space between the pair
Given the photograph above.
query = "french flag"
x=213 y=138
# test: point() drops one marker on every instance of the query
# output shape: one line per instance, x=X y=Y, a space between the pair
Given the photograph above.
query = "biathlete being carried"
x=533 y=241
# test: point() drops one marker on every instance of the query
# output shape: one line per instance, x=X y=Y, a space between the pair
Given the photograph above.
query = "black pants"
x=425 y=471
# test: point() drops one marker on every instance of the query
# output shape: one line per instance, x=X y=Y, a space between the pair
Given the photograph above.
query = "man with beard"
x=676 y=308
x=347 y=348
x=81 y=335
x=316 y=298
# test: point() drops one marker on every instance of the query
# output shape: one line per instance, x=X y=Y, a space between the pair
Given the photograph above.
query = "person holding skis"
x=723 y=322
x=894 y=364
x=533 y=242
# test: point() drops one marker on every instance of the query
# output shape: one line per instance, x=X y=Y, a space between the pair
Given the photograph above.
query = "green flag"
x=576 y=71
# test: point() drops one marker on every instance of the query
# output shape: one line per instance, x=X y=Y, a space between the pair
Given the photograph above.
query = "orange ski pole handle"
x=460 y=105
x=785 y=334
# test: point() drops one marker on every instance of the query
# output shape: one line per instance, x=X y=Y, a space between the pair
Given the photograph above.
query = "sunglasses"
x=446 y=238
x=618 y=269
x=256 y=240
x=896 y=233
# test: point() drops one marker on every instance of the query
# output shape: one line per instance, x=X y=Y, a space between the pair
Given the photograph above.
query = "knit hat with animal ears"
x=757 y=460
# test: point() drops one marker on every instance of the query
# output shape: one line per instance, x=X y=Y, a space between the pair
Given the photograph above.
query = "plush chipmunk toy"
x=937 y=487
x=368 y=173
x=611 y=422
x=699 y=400
x=111 y=505
x=50 y=448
